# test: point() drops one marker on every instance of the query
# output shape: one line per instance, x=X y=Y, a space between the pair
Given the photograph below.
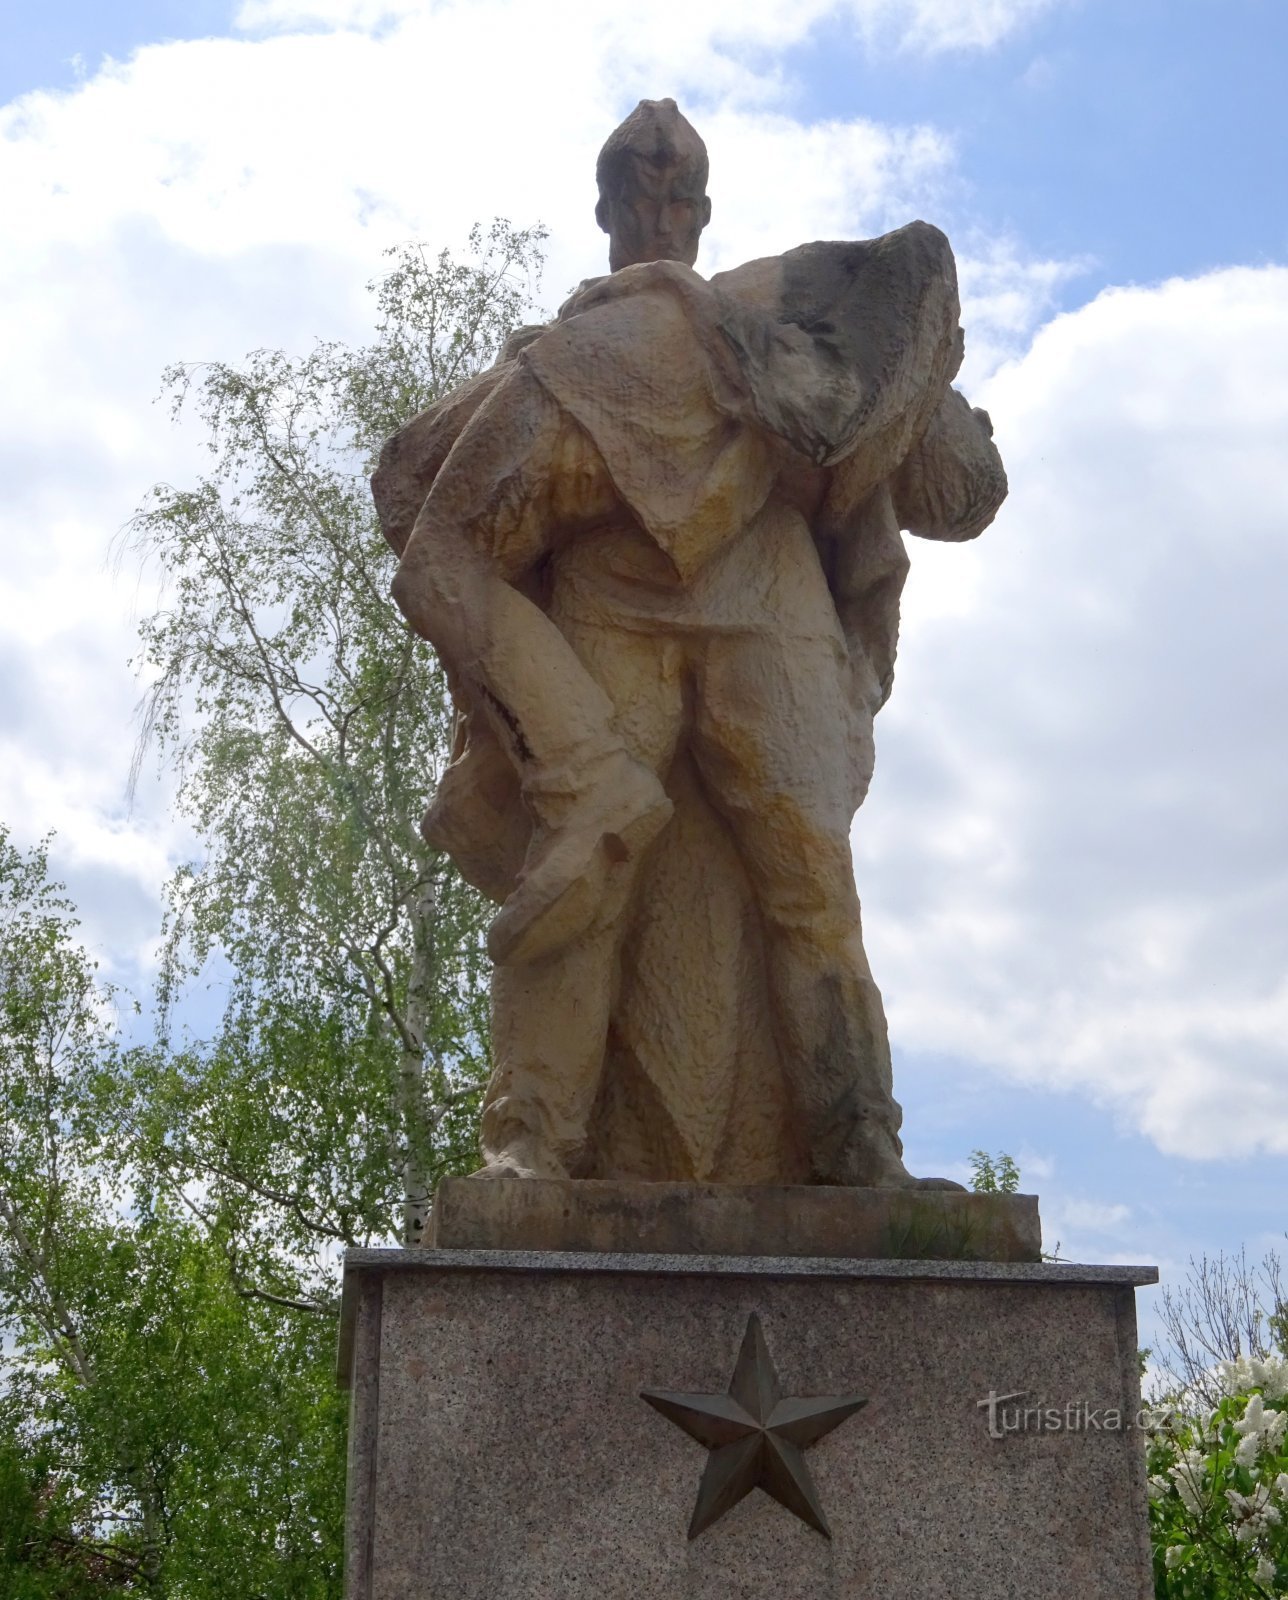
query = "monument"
x=658 y=547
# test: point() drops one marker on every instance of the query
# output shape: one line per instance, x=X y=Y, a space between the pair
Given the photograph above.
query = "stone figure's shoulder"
x=644 y=278
x=792 y=286
x=892 y=273
x=410 y=459
x=916 y=240
x=519 y=339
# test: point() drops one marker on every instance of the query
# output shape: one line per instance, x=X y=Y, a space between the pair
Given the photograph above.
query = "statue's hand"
x=951 y=485
x=638 y=279
x=517 y=339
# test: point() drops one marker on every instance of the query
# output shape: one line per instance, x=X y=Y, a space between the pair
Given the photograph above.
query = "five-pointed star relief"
x=755 y=1436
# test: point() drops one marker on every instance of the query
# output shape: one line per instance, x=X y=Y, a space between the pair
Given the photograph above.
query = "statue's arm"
x=952 y=483
x=519 y=339
x=410 y=459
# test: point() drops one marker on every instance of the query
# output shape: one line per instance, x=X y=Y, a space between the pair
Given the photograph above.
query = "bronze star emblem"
x=755 y=1436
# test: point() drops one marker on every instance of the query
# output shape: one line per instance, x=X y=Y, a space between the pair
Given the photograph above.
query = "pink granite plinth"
x=499 y=1445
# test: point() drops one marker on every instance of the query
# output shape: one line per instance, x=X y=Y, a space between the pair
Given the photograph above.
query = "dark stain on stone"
x=522 y=748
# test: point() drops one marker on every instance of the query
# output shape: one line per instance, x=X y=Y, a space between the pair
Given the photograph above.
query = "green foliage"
x=172 y=1214
x=309 y=725
x=47 y=1550
x=1218 y=1460
x=53 y=1030
x=918 y=1231
x=148 y=1404
x=1219 y=1490
x=993 y=1174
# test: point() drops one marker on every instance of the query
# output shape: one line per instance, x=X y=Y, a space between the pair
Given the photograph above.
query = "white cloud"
x=1078 y=1228
x=1073 y=859
x=1034 y=1168
x=1090 y=1216
x=1076 y=852
x=662 y=26
x=207 y=197
x=1006 y=296
x=934 y=25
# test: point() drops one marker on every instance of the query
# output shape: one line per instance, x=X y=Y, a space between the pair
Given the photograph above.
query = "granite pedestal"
x=500 y=1446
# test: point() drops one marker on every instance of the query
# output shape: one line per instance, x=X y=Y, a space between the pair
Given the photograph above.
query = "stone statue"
x=658 y=549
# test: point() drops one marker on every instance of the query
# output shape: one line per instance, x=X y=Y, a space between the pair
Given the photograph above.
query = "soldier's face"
x=658 y=215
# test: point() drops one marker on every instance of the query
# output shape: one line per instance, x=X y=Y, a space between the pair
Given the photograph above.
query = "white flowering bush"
x=1218 y=1487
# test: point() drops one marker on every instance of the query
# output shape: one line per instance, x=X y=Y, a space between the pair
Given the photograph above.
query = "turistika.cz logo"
x=1006 y=1415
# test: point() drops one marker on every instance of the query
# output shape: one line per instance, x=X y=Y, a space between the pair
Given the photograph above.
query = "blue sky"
x=1146 y=137
x=56 y=46
x=1074 y=862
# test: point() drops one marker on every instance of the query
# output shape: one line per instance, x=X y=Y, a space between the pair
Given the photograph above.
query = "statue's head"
x=652 y=176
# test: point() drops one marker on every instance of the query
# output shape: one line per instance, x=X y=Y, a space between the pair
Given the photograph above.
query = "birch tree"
x=309 y=726
x=162 y=1432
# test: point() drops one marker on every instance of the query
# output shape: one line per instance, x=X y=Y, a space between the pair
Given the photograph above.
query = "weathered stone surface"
x=658 y=547
x=720 y=1219
x=502 y=1447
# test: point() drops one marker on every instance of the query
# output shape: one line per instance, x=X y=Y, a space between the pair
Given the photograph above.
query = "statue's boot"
x=876 y=1162
x=521 y=1158
x=569 y=868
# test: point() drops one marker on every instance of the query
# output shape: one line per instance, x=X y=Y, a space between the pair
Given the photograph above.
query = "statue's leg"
x=550 y=1017
x=521 y=476
x=776 y=743
x=549 y=1027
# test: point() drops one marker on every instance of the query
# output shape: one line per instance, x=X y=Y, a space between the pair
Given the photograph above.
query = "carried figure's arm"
x=952 y=483
x=410 y=459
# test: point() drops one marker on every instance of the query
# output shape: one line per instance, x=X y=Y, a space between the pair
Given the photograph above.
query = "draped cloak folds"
x=839 y=357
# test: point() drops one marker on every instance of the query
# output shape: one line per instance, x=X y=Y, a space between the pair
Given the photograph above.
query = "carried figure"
x=658 y=549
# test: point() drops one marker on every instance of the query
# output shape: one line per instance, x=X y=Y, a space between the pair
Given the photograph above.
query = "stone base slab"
x=719 y=1219
x=500 y=1446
